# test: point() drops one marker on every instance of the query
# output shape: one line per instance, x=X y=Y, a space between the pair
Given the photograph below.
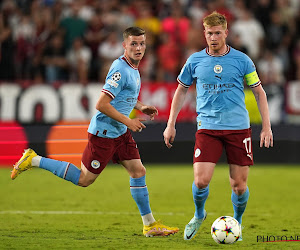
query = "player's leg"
x=207 y=151
x=240 y=191
x=30 y=159
x=203 y=172
x=138 y=188
x=65 y=170
x=139 y=192
x=128 y=155
x=238 y=145
x=94 y=160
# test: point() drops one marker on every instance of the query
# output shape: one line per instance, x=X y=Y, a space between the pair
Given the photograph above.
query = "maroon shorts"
x=237 y=143
x=99 y=151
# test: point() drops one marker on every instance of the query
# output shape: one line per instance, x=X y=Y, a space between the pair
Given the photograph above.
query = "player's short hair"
x=215 y=19
x=133 y=31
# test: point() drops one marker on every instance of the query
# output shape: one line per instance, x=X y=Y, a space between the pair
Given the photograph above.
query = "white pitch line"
x=105 y=213
x=84 y=213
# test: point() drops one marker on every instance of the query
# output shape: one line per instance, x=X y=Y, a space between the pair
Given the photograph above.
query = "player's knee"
x=140 y=172
x=85 y=182
x=239 y=190
x=143 y=171
x=201 y=183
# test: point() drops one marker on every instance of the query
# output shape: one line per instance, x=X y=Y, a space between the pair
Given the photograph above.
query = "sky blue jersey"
x=220 y=87
x=122 y=84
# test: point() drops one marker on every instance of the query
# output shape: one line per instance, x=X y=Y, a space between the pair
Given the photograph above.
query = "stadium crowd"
x=50 y=41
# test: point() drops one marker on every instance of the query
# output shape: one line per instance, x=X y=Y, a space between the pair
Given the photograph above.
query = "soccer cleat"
x=23 y=164
x=240 y=238
x=158 y=229
x=192 y=227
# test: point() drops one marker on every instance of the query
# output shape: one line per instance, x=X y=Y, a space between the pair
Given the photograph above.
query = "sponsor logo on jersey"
x=208 y=86
x=95 y=164
x=131 y=100
x=112 y=83
x=218 y=69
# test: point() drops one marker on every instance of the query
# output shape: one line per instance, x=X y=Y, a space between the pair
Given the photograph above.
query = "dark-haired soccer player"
x=109 y=137
x=223 y=121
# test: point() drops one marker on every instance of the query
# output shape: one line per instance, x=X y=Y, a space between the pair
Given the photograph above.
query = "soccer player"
x=109 y=137
x=219 y=72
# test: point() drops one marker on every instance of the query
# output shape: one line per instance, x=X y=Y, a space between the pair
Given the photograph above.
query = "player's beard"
x=216 y=49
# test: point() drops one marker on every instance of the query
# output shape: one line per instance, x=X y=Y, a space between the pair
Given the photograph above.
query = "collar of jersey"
x=226 y=52
x=128 y=62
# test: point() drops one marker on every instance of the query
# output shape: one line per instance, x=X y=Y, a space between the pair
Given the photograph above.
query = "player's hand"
x=169 y=136
x=149 y=110
x=266 y=138
x=136 y=124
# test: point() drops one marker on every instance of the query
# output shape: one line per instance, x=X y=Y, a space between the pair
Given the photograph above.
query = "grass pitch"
x=41 y=211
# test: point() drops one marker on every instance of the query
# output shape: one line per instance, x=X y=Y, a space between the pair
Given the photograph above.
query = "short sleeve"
x=185 y=78
x=115 y=80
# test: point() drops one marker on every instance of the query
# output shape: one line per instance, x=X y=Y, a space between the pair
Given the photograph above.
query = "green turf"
x=41 y=211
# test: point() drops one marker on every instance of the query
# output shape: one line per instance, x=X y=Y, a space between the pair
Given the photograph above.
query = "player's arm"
x=266 y=135
x=178 y=100
x=104 y=106
x=146 y=109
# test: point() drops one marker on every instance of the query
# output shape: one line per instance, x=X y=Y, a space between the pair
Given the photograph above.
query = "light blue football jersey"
x=122 y=84
x=220 y=88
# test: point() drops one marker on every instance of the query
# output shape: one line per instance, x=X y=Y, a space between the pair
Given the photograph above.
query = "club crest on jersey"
x=95 y=164
x=116 y=76
x=137 y=81
x=218 y=69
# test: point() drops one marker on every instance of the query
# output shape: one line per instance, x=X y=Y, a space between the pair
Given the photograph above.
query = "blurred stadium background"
x=55 y=55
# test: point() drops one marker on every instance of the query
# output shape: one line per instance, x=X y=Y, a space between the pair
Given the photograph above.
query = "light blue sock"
x=239 y=203
x=139 y=192
x=62 y=169
x=200 y=196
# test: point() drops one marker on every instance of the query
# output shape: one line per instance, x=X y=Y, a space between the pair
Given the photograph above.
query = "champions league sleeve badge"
x=116 y=76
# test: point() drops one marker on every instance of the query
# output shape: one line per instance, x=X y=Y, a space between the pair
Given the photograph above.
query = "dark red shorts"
x=99 y=151
x=237 y=143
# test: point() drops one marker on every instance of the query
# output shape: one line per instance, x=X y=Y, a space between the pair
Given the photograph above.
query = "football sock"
x=148 y=219
x=239 y=203
x=35 y=162
x=200 y=196
x=139 y=192
x=62 y=169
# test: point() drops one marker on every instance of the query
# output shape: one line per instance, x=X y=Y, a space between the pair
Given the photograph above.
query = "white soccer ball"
x=225 y=230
